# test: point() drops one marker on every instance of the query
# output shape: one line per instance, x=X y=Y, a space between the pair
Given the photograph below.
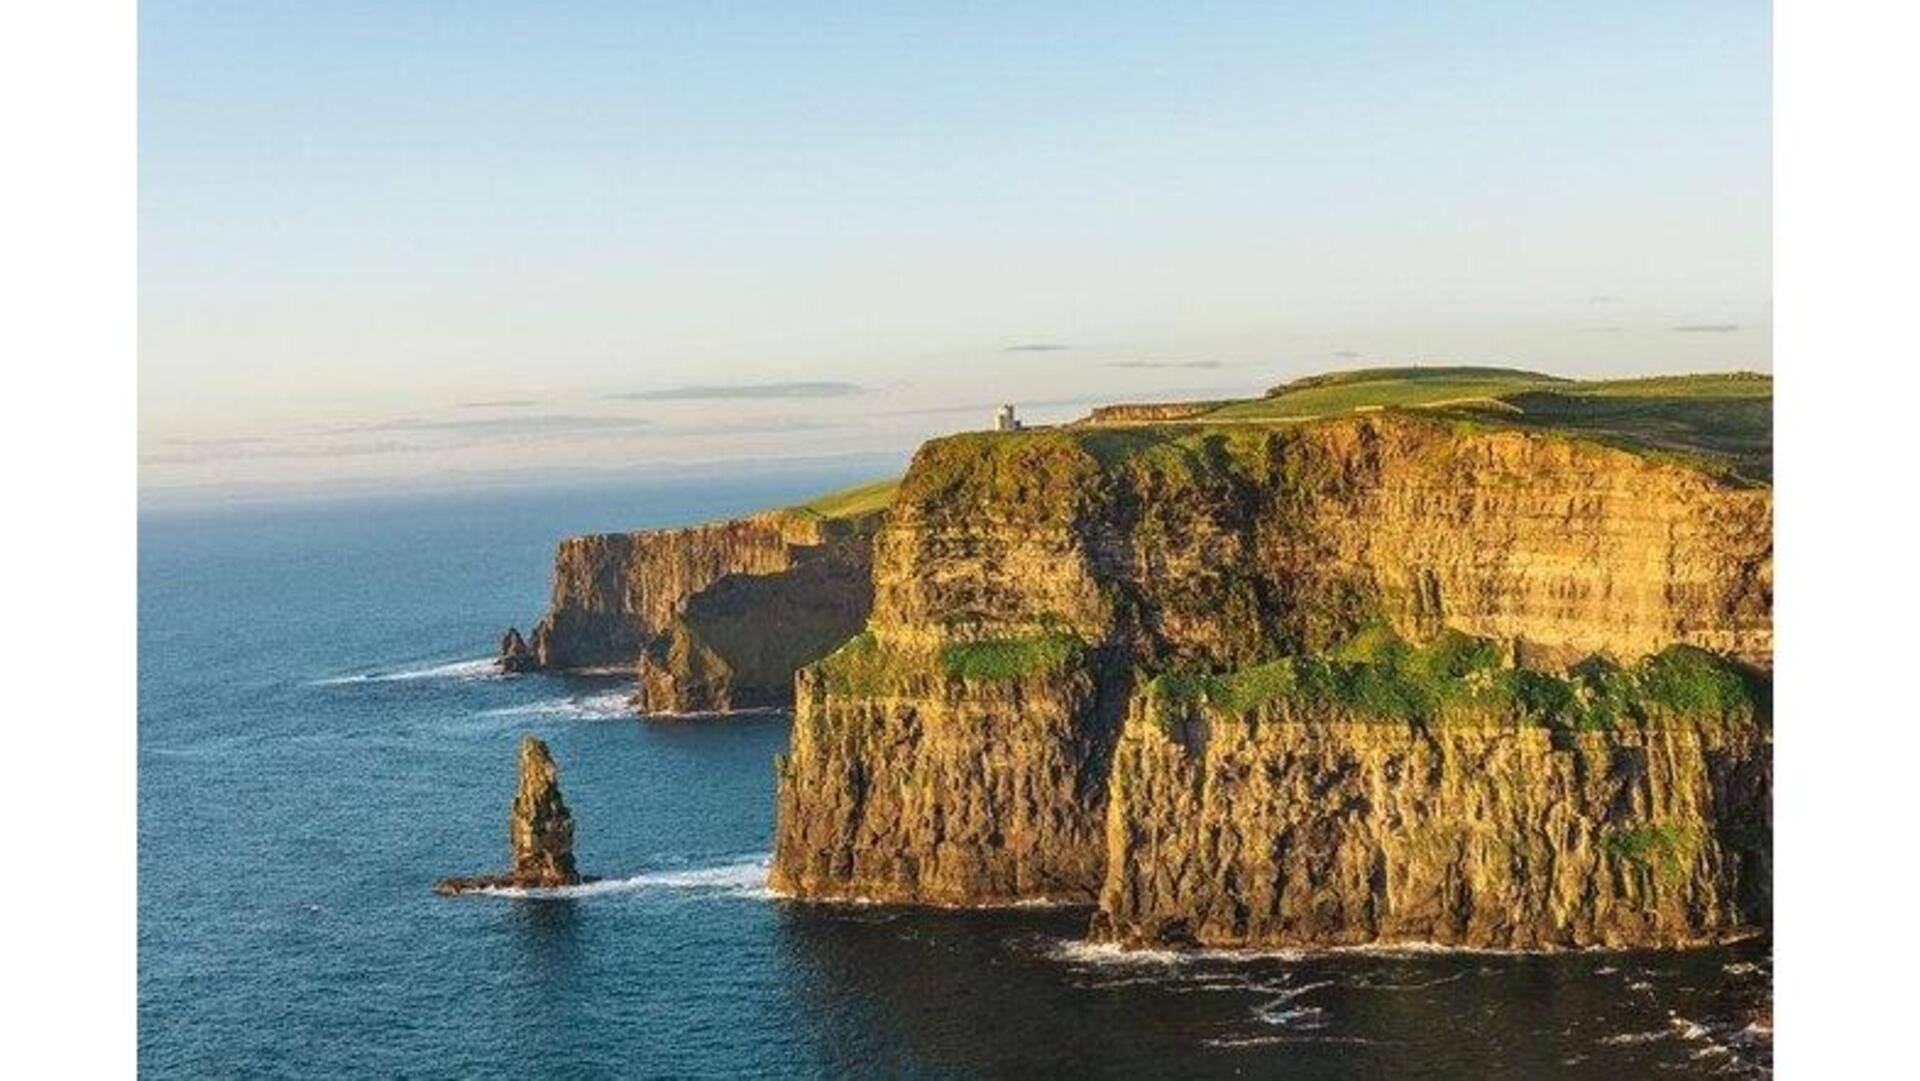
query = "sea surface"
x=321 y=737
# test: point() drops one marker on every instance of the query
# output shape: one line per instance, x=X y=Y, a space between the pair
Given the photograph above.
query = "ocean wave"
x=1082 y=952
x=476 y=668
x=1271 y=1040
x=1625 y=1038
x=604 y=706
x=745 y=877
x=1281 y=1015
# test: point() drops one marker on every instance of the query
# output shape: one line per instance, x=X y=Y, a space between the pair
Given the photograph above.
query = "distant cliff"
x=710 y=617
x=1376 y=677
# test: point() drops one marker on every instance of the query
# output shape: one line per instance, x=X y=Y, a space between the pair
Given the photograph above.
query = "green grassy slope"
x=1723 y=419
x=1371 y=388
x=860 y=501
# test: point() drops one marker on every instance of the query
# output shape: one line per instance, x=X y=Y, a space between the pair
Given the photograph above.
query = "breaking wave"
x=745 y=877
x=604 y=706
x=477 y=668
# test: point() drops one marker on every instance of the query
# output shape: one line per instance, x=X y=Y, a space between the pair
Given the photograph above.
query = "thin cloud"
x=539 y=424
x=266 y=450
x=232 y=441
x=1346 y=354
x=503 y=403
x=766 y=427
x=742 y=392
x=1706 y=328
x=1037 y=347
x=1196 y=365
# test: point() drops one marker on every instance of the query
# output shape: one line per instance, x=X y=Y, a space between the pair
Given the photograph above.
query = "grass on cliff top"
x=1719 y=420
x=1375 y=674
x=860 y=501
x=1380 y=388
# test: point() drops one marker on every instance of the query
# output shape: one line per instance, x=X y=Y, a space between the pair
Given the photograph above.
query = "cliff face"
x=1323 y=828
x=933 y=789
x=713 y=617
x=1215 y=545
x=1035 y=590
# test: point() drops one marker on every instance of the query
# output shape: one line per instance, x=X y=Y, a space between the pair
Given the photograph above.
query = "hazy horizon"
x=389 y=245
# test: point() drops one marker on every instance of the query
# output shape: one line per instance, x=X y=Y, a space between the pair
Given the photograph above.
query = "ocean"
x=321 y=736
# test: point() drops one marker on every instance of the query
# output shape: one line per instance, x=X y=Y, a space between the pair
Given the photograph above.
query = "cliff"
x=539 y=830
x=1003 y=730
x=712 y=617
x=1308 y=820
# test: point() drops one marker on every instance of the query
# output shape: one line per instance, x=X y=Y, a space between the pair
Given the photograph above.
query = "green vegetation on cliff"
x=860 y=501
x=863 y=666
x=1376 y=675
x=1720 y=419
x=1379 y=388
x=998 y=659
x=1665 y=851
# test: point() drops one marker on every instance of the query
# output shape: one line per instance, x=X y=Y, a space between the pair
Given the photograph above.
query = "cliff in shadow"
x=710 y=617
x=1376 y=677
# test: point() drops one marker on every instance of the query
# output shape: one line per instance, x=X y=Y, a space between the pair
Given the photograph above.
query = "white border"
x=67 y=206
x=1847 y=443
x=1848 y=531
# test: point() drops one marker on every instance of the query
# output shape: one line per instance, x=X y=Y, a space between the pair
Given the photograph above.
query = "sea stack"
x=541 y=831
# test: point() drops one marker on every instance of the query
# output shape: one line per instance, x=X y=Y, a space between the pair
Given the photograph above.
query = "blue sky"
x=393 y=241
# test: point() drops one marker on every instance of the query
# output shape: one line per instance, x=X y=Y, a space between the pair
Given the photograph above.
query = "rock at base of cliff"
x=515 y=654
x=540 y=831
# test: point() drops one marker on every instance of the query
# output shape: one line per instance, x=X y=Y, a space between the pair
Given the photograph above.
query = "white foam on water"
x=1636 y=1037
x=1081 y=952
x=476 y=668
x=1687 y=1030
x=740 y=878
x=1280 y=1015
x=1419 y=985
x=1271 y=1040
x=604 y=706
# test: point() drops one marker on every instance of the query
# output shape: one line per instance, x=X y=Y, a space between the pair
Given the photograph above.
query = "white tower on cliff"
x=1005 y=421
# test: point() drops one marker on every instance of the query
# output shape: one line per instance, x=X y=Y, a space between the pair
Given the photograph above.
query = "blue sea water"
x=320 y=738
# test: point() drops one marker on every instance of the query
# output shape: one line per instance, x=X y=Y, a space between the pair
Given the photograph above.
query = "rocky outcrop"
x=515 y=654
x=985 y=740
x=711 y=617
x=540 y=831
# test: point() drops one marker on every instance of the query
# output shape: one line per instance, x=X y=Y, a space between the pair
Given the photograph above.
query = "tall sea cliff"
x=1378 y=677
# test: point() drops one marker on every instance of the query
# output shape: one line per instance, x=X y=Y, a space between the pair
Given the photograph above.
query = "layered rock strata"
x=984 y=741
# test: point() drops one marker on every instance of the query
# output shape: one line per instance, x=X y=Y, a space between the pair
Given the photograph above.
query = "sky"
x=406 y=242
